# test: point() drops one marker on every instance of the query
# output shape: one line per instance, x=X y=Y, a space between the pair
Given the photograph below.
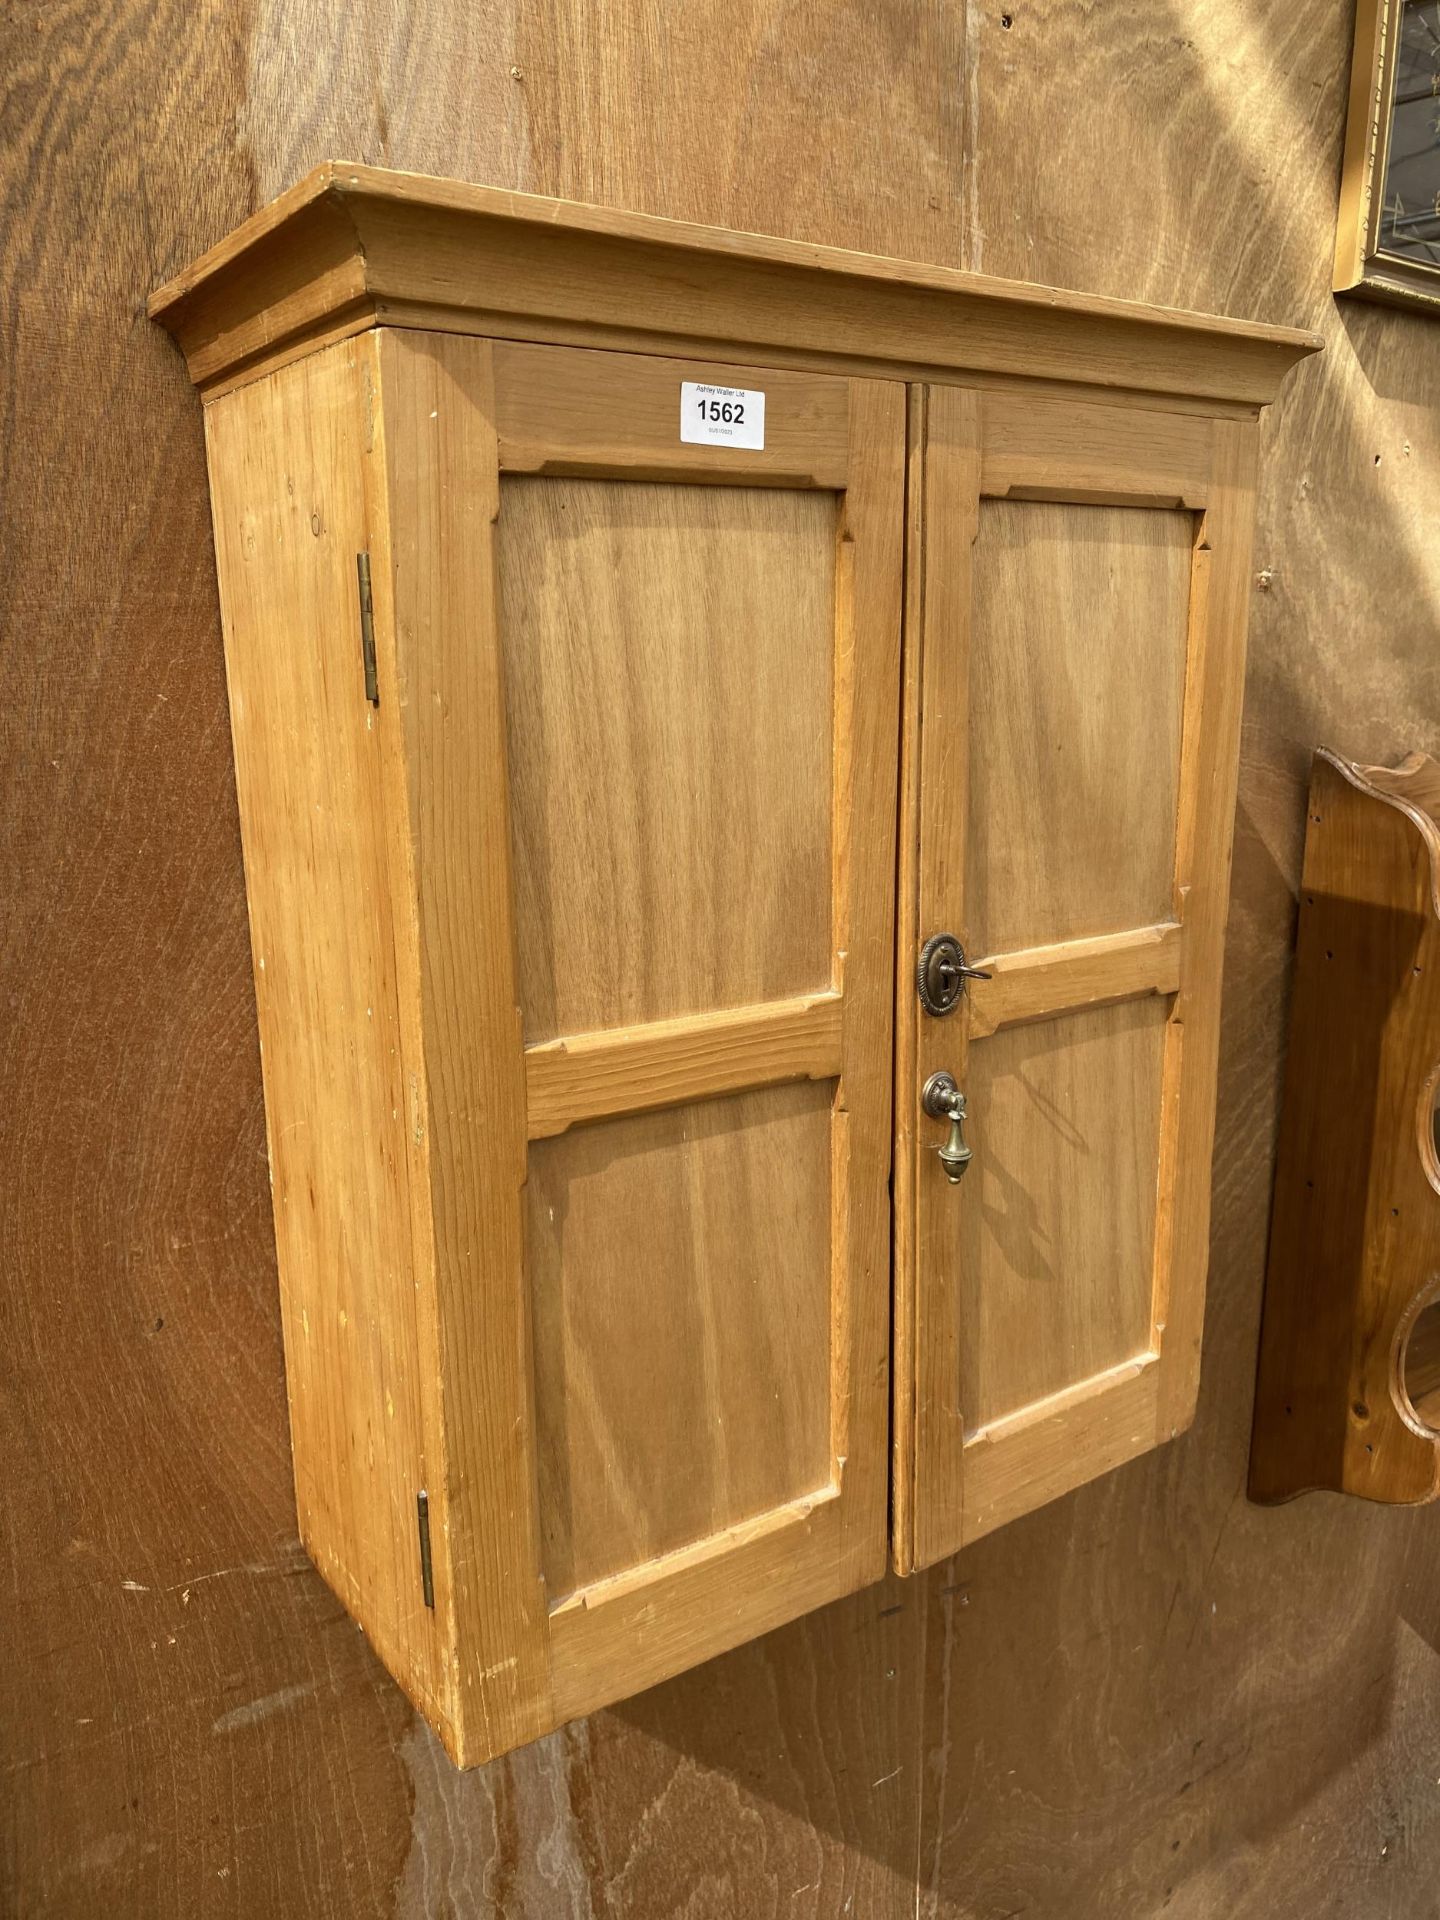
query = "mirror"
x=1420 y=1365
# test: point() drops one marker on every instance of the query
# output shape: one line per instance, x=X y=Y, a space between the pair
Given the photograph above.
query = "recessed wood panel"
x=1077 y=682
x=680 y=1265
x=1057 y=1225
x=668 y=659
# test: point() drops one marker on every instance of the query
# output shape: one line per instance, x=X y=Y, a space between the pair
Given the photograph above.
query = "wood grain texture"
x=1179 y=1768
x=1057 y=1234
x=679 y=1266
x=1102 y=1712
x=1077 y=679
x=672 y=813
x=1046 y=448
x=1017 y=1462
x=287 y=480
x=1036 y=983
x=180 y=1656
x=563 y=410
x=589 y=1076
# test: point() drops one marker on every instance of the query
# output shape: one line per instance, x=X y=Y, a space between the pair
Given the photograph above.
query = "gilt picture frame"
x=1388 y=235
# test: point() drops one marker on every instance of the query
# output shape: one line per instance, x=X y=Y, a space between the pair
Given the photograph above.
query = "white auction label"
x=721 y=416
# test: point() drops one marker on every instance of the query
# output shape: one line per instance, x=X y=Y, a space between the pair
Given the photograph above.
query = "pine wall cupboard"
x=736 y=749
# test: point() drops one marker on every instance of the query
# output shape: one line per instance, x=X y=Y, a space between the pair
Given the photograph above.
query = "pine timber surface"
x=1150 y=1698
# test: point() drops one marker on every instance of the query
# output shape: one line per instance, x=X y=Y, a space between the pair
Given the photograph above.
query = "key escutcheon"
x=941 y=973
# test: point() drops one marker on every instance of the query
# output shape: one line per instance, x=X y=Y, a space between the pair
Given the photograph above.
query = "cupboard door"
x=1075 y=625
x=653 y=712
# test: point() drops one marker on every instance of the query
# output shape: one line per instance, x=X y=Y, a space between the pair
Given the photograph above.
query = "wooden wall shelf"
x=1349 y=1383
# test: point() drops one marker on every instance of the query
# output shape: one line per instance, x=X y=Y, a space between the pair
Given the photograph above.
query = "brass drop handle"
x=943 y=1100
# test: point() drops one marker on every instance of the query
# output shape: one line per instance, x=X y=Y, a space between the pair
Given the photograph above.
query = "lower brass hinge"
x=367 y=629
x=427 y=1571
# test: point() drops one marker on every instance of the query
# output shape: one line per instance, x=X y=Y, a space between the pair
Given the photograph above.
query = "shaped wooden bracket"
x=1349 y=1384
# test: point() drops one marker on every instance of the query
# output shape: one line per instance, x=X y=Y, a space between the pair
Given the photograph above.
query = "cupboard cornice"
x=353 y=246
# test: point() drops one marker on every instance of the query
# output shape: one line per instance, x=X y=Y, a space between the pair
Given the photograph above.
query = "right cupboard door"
x=1075 y=630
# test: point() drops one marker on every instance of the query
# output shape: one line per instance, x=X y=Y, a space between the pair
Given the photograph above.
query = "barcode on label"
x=721 y=416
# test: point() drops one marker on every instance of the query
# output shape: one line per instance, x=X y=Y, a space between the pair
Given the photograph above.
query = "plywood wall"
x=1150 y=1698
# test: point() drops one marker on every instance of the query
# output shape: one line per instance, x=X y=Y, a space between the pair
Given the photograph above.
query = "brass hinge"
x=427 y=1571
x=367 y=628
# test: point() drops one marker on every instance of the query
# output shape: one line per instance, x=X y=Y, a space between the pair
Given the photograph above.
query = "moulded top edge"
x=1412 y=787
x=351 y=236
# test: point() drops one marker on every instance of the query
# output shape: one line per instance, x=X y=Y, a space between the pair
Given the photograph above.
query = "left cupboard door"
x=640 y=623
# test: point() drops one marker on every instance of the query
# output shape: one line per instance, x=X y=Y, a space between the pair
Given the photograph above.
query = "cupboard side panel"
x=440 y=668
x=285 y=456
